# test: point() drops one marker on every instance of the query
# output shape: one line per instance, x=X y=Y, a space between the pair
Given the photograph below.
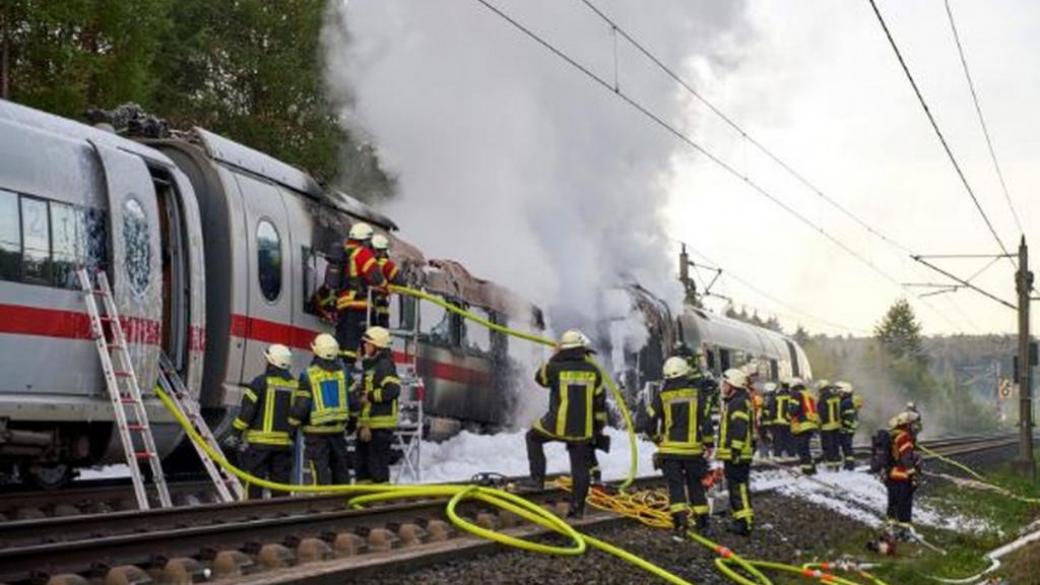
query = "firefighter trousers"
x=737 y=477
x=350 y=328
x=327 y=458
x=781 y=435
x=848 y=457
x=803 y=443
x=270 y=463
x=374 y=457
x=580 y=453
x=685 y=490
x=830 y=443
x=900 y=500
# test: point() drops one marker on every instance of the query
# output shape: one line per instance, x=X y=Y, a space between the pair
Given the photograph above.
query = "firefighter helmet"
x=675 y=367
x=797 y=383
x=903 y=418
x=573 y=338
x=377 y=336
x=278 y=356
x=822 y=383
x=325 y=346
x=844 y=387
x=769 y=387
x=736 y=378
x=380 y=242
x=361 y=231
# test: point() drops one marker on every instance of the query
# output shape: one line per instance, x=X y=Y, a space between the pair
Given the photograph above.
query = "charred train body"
x=214 y=250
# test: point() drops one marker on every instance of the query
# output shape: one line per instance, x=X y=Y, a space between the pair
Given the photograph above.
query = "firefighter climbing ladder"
x=123 y=389
x=228 y=487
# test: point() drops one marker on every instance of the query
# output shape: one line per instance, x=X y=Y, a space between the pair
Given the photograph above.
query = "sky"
x=515 y=163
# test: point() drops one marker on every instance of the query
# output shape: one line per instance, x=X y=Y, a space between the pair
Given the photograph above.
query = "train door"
x=796 y=370
x=175 y=304
x=135 y=275
x=269 y=291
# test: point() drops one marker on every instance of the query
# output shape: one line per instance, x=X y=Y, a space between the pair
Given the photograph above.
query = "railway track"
x=301 y=539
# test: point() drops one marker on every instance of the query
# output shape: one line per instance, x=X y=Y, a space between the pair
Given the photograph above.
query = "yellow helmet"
x=377 y=336
x=278 y=356
x=361 y=231
x=573 y=338
x=675 y=367
x=325 y=346
x=380 y=242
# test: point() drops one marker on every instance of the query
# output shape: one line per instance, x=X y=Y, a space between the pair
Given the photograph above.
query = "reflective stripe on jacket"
x=322 y=400
x=680 y=417
x=360 y=270
x=829 y=408
x=382 y=388
x=903 y=456
x=736 y=428
x=849 y=415
x=577 y=401
x=802 y=411
x=265 y=414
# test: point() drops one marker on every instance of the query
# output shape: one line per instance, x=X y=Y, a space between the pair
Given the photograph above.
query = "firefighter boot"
x=740 y=528
x=704 y=524
x=680 y=524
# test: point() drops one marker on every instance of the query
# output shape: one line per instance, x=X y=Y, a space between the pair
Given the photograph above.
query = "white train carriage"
x=214 y=250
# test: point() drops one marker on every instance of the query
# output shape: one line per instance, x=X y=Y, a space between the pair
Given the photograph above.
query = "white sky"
x=818 y=84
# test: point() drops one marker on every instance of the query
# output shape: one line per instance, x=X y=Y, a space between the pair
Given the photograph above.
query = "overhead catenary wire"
x=671 y=129
x=982 y=119
x=938 y=132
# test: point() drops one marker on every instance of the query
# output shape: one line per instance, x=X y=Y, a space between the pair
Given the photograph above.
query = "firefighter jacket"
x=680 y=418
x=783 y=403
x=391 y=275
x=736 y=428
x=352 y=275
x=709 y=389
x=849 y=414
x=265 y=415
x=380 y=390
x=904 y=456
x=828 y=406
x=768 y=409
x=322 y=402
x=802 y=412
x=577 y=400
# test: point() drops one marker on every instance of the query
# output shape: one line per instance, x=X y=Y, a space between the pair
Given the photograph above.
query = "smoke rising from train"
x=508 y=161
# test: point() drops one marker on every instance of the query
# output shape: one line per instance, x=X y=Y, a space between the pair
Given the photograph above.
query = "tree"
x=899 y=333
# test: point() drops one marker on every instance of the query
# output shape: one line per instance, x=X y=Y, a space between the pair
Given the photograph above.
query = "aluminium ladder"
x=123 y=389
x=229 y=489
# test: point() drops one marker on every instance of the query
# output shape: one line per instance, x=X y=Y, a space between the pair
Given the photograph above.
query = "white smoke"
x=513 y=162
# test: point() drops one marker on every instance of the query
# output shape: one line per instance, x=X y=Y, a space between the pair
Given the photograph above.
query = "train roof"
x=727 y=332
x=241 y=156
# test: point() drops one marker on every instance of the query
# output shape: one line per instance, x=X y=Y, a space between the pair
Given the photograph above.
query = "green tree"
x=899 y=333
x=66 y=56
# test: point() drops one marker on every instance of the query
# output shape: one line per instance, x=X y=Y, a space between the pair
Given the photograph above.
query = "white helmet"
x=822 y=383
x=769 y=387
x=361 y=231
x=377 y=336
x=325 y=346
x=734 y=377
x=675 y=367
x=795 y=382
x=844 y=387
x=903 y=418
x=380 y=242
x=278 y=356
x=573 y=338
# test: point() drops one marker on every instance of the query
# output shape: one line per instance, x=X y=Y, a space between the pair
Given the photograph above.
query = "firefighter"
x=322 y=405
x=391 y=275
x=829 y=407
x=903 y=472
x=380 y=390
x=350 y=277
x=767 y=425
x=700 y=376
x=736 y=447
x=780 y=425
x=265 y=421
x=577 y=403
x=849 y=424
x=804 y=422
x=682 y=428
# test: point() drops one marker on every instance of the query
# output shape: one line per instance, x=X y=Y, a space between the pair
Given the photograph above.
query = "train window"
x=36 y=241
x=478 y=337
x=137 y=246
x=10 y=237
x=269 y=260
x=67 y=243
x=434 y=323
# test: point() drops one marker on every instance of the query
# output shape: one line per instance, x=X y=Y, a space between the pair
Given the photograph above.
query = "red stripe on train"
x=20 y=319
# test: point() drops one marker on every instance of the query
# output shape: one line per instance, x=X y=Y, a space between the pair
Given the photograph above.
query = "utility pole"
x=1024 y=284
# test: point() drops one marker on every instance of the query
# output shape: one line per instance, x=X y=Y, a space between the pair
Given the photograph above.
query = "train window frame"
x=260 y=222
x=136 y=231
x=45 y=278
x=13 y=221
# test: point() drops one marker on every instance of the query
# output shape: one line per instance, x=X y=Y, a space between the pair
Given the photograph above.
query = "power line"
x=938 y=132
x=606 y=85
x=982 y=120
x=617 y=29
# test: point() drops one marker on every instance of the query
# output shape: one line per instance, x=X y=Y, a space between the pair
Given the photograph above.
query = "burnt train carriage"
x=214 y=251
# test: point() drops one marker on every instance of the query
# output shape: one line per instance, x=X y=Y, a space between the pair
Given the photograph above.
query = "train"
x=215 y=250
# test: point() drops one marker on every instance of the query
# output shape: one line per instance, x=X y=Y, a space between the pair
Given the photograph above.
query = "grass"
x=964 y=550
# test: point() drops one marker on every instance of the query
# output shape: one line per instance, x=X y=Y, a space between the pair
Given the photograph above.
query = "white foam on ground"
x=116 y=471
